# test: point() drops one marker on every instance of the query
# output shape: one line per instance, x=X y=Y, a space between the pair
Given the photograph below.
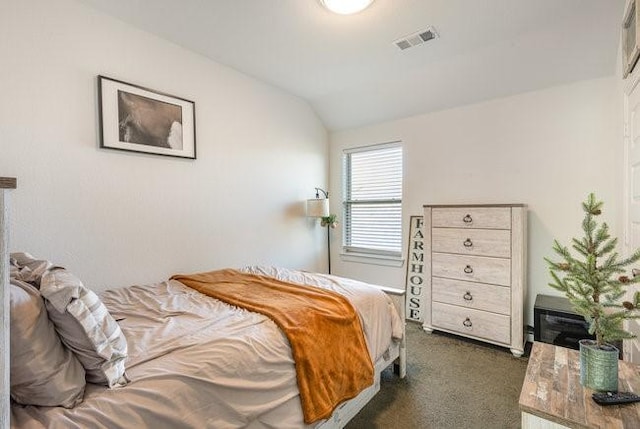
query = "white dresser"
x=475 y=272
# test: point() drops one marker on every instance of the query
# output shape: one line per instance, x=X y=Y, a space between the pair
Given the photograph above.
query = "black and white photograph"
x=138 y=119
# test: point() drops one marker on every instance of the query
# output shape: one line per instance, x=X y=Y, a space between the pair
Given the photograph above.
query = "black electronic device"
x=615 y=398
x=556 y=322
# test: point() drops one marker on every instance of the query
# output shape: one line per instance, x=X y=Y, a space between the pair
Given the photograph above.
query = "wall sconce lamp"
x=319 y=207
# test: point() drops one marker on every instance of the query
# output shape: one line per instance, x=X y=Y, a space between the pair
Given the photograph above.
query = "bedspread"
x=328 y=371
x=196 y=362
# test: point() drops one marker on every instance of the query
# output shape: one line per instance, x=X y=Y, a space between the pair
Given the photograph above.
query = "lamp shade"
x=318 y=207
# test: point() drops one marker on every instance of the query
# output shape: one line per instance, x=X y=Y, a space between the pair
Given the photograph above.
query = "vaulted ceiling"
x=351 y=72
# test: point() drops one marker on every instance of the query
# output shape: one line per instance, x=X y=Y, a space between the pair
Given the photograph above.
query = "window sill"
x=373 y=259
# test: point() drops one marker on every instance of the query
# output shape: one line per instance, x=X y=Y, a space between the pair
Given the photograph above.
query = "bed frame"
x=398 y=355
x=340 y=417
x=6 y=183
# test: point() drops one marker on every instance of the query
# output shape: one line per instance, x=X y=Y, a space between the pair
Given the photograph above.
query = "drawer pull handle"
x=468 y=297
x=467 y=323
x=468 y=269
x=467 y=219
x=468 y=243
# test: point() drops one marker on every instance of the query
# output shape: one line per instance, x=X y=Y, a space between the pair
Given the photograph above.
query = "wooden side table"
x=553 y=398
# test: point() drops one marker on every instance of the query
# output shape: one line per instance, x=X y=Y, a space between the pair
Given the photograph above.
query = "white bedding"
x=195 y=362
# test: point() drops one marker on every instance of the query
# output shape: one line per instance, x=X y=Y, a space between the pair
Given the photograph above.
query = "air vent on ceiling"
x=416 y=38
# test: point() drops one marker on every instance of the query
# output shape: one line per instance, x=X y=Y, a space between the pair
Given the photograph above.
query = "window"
x=373 y=200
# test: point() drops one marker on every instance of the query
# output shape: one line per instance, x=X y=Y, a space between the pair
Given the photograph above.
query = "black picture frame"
x=138 y=119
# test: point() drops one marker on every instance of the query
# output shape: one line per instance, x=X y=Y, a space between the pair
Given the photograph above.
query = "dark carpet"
x=451 y=383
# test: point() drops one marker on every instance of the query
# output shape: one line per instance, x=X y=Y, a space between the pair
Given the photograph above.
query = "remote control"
x=615 y=398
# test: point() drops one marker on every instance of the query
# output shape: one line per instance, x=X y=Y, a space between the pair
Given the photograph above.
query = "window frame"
x=359 y=251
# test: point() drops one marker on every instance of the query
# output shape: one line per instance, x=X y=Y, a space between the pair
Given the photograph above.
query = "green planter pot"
x=598 y=366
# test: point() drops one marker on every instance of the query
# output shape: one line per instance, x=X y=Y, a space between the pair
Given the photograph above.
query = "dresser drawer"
x=470 y=322
x=480 y=296
x=482 y=242
x=472 y=268
x=471 y=217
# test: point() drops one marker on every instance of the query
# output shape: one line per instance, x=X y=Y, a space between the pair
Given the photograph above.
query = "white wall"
x=547 y=149
x=117 y=218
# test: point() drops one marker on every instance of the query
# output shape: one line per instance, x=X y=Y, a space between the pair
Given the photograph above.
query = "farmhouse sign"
x=415 y=269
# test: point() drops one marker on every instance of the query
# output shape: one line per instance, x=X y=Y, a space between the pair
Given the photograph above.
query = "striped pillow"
x=86 y=327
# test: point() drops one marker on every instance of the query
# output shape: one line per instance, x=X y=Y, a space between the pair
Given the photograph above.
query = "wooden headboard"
x=6 y=183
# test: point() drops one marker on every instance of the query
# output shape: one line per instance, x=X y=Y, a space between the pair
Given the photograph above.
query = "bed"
x=193 y=361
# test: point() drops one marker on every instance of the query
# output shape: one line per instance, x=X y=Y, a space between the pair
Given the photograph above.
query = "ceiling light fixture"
x=346 y=7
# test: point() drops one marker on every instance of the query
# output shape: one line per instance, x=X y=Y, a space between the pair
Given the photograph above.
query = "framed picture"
x=138 y=119
x=630 y=37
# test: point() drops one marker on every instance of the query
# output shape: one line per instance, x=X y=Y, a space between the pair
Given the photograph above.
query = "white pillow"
x=86 y=327
x=43 y=371
x=28 y=269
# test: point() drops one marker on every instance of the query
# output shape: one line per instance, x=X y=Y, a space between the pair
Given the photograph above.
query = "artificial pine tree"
x=592 y=281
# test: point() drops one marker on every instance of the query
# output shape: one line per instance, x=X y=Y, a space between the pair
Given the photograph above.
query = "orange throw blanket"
x=324 y=330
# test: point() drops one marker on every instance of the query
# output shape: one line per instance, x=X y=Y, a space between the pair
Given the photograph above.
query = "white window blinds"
x=373 y=200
